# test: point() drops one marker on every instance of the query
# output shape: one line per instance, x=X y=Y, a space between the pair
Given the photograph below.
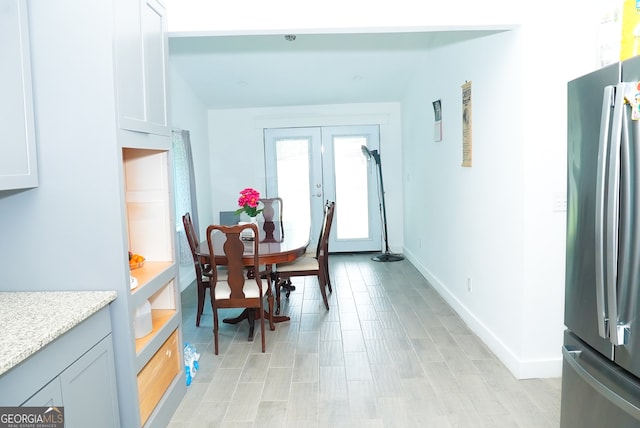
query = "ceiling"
x=271 y=71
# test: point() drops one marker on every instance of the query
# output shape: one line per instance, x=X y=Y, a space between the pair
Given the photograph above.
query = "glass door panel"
x=293 y=168
x=351 y=188
x=292 y=180
x=307 y=166
x=357 y=225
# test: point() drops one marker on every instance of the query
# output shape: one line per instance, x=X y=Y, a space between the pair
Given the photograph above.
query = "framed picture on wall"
x=467 y=125
x=437 y=128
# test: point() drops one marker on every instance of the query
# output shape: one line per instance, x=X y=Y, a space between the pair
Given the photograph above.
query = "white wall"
x=189 y=113
x=468 y=222
x=237 y=149
x=555 y=48
x=496 y=222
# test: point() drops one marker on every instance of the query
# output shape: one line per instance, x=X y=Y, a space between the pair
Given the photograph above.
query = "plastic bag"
x=191 y=357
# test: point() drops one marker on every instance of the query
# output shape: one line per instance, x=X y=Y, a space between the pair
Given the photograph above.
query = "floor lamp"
x=387 y=256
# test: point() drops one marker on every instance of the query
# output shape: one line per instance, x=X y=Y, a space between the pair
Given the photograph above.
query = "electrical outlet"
x=559 y=202
x=469 y=284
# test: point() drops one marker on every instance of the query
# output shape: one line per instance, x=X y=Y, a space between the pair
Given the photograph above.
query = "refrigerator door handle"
x=618 y=334
x=605 y=122
x=572 y=357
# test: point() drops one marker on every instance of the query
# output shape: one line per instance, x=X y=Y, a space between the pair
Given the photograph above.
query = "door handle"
x=612 y=212
x=618 y=331
x=605 y=120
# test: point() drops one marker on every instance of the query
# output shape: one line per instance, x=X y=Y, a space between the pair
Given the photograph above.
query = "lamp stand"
x=387 y=256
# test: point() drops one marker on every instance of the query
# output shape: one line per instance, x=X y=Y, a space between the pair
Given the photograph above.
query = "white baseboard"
x=521 y=368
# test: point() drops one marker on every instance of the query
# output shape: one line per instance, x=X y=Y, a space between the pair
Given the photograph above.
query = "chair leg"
x=201 y=294
x=215 y=330
x=277 y=287
x=323 y=284
x=272 y=326
x=251 y=317
x=213 y=308
x=264 y=346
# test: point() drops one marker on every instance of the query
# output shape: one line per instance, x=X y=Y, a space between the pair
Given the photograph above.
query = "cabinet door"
x=89 y=389
x=50 y=395
x=141 y=67
x=18 y=169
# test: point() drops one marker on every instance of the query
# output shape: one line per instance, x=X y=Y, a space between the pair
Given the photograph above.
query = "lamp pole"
x=387 y=255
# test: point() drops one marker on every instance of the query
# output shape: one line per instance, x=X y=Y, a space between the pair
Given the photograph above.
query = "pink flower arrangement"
x=248 y=202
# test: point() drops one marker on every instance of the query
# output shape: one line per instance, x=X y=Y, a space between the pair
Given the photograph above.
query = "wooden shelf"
x=159 y=318
x=148 y=272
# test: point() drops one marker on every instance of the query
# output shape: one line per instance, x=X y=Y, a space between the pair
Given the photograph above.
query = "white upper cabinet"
x=141 y=69
x=18 y=165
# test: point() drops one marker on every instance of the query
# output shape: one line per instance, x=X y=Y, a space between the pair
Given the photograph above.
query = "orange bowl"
x=133 y=266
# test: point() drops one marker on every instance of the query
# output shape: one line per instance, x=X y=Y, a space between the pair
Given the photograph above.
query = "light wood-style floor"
x=389 y=353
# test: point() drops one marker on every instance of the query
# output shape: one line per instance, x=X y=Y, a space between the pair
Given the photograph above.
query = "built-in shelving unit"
x=148 y=196
x=144 y=138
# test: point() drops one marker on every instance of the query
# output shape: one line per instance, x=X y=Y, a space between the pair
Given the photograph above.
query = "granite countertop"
x=31 y=320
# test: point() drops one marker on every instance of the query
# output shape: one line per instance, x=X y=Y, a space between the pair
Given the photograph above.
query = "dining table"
x=274 y=247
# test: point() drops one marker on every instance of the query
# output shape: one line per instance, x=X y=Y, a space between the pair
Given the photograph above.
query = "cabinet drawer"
x=156 y=376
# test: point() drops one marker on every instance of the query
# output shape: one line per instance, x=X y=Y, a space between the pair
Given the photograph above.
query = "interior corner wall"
x=237 y=149
x=467 y=223
x=546 y=73
x=189 y=113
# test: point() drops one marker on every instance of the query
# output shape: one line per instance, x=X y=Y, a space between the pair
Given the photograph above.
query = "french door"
x=307 y=166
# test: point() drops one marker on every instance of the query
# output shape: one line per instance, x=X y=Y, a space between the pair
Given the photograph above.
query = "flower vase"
x=247 y=234
x=254 y=220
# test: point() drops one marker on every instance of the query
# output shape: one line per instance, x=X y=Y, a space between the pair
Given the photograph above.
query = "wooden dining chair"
x=313 y=252
x=238 y=291
x=203 y=271
x=272 y=212
x=272 y=209
x=316 y=253
x=310 y=266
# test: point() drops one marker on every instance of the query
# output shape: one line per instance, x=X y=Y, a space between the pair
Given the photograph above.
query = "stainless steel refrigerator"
x=601 y=352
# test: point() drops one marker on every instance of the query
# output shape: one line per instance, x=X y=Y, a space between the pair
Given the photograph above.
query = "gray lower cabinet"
x=89 y=389
x=76 y=371
x=50 y=395
x=86 y=390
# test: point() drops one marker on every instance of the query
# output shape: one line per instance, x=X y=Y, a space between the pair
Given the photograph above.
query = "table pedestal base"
x=251 y=315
